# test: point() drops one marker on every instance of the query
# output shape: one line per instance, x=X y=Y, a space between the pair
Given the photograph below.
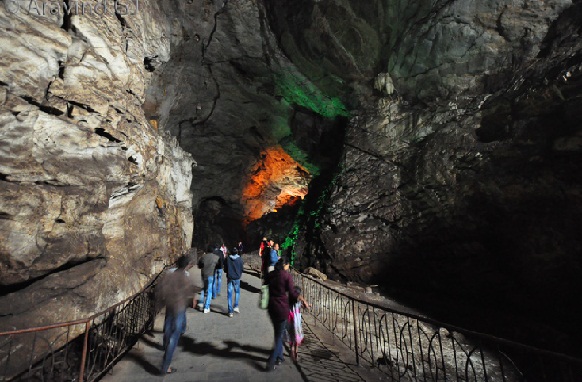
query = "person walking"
x=234 y=271
x=281 y=289
x=274 y=256
x=207 y=264
x=294 y=326
x=175 y=291
x=221 y=253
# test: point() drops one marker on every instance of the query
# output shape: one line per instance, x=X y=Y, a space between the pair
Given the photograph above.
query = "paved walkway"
x=218 y=348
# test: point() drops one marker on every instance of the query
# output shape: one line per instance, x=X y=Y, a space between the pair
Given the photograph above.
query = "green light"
x=300 y=91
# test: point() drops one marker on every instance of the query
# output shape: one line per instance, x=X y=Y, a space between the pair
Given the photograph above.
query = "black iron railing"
x=407 y=347
x=80 y=350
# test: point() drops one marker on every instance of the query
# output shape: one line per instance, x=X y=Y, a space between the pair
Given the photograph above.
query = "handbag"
x=264 y=297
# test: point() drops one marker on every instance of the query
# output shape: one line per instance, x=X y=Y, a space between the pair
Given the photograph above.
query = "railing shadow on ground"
x=81 y=350
x=413 y=348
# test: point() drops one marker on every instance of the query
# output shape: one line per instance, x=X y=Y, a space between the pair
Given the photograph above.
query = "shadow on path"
x=232 y=350
x=147 y=366
x=248 y=287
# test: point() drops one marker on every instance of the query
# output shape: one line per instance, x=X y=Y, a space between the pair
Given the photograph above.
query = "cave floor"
x=218 y=348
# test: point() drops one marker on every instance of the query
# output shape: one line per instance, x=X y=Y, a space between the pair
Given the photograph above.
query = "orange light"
x=276 y=180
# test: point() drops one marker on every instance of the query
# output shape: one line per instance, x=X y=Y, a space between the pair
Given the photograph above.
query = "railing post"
x=84 y=356
x=356 y=347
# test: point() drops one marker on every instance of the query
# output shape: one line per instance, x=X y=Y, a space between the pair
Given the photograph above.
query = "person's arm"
x=292 y=293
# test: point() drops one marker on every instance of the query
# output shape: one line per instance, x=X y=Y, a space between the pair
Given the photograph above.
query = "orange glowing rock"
x=276 y=180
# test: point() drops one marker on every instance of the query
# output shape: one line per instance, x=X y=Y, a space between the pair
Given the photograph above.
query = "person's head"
x=271 y=242
x=234 y=251
x=297 y=289
x=183 y=262
x=276 y=246
x=282 y=264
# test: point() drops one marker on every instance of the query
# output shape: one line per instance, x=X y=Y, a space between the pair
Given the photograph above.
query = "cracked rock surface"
x=91 y=195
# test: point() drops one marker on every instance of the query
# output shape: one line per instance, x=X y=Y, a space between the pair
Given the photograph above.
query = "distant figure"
x=264 y=244
x=281 y=289
x=274 y=257
x=207 y=263
x=221 y=253
x=234 y=271
x=265 y=258
x=240 y=248
x=294 y=326
x=175 y=291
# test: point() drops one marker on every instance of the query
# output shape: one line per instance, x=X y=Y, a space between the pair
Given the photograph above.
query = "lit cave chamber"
x=432 y=149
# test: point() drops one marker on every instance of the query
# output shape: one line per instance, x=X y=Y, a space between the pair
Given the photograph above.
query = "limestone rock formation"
x=460 y=169
x=90 y=193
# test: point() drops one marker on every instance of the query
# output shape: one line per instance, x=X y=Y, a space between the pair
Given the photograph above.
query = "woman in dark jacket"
x=280 y=289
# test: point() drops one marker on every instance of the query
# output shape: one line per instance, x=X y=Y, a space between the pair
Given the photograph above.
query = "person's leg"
x=209 y=292
x=229 y=288
x=277 y=352
x=167 y=328
x=217 y=283
x=236 y=285
x=202 y=300
x=177 y=323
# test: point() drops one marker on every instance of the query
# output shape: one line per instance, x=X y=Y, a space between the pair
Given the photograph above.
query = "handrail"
x=407 y=346
x=79 y=350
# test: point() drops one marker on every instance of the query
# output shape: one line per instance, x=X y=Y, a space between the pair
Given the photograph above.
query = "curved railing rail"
x=80 y=350
x=407 y=347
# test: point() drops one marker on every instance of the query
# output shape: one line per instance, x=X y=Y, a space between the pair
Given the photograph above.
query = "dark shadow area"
x=248 y=287
x=233 y=350
x=217 y=222
x=506 y=257
x=153 y=344
x=147 y=366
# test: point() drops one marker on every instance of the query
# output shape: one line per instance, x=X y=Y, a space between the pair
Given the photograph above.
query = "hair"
x=182 y=262
x=281 y=263
x=234 y=251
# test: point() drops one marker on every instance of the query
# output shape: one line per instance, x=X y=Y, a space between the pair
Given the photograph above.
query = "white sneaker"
x=200 y=306
x=230 y=315
x=236 y=310
x=206 y=310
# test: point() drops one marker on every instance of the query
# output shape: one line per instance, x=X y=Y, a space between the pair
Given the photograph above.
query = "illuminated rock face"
x=92 y=196
x=276 y=180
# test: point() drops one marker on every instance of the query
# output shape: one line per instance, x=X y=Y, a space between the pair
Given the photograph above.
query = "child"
x=294 y=329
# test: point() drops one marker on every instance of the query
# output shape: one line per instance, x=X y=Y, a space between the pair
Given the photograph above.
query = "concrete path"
x=222 y=349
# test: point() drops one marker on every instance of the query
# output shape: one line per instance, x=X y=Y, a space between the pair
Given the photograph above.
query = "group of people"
x=213 y=264
x=269 y=253
x=176 y=290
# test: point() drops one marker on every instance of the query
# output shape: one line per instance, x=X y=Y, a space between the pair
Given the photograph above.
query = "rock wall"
x=460 y=173
x=92 y=196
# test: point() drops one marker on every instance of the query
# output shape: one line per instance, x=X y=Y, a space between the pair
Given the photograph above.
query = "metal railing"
x=81 y=350
x=407 y=347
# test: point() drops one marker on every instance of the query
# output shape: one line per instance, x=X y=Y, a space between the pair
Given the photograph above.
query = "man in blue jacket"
x=234 y=270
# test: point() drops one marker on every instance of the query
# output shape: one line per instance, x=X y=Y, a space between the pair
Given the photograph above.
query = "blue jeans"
x=208 y=286
x=168 y=327
x=172 y=331
x=233 y=284
x=217 y=282
x=277 y=352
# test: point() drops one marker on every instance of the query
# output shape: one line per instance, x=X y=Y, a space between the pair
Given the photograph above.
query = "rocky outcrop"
x=92 y=195
x=459 y=174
